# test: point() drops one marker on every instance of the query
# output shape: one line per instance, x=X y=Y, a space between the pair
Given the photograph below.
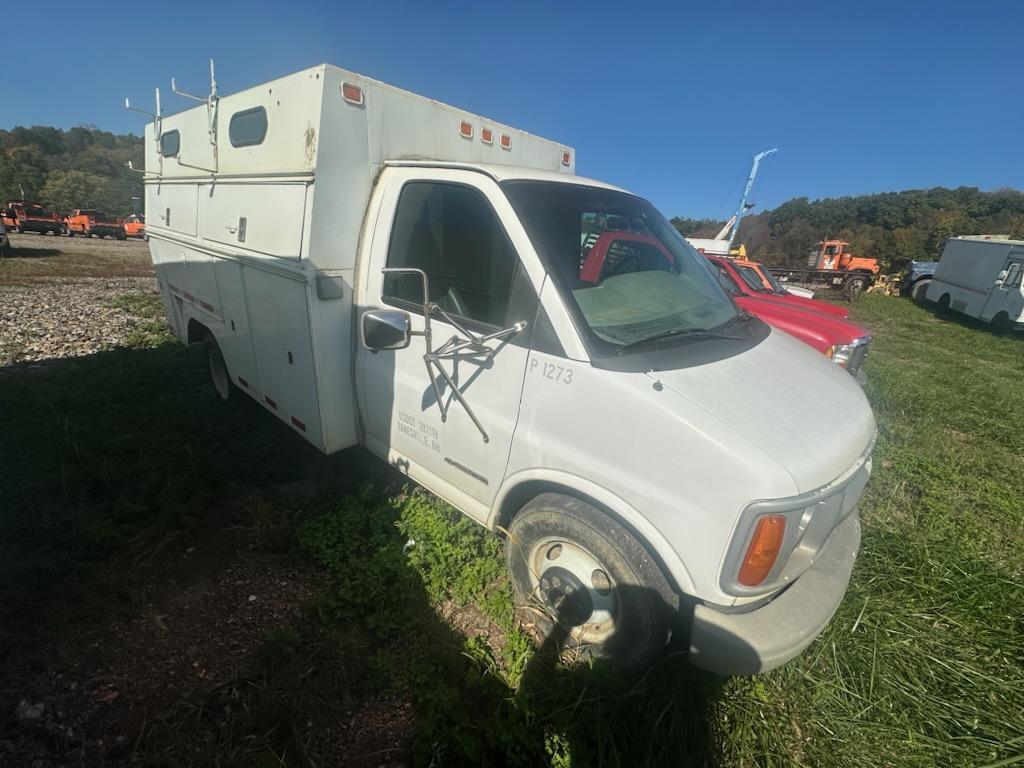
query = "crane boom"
x=746 y=191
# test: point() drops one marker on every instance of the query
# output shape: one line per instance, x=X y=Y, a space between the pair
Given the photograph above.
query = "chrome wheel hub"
x=576 y=587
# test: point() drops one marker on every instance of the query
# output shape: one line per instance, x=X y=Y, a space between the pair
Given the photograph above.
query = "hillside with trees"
x=83 y=167
x=893 y=227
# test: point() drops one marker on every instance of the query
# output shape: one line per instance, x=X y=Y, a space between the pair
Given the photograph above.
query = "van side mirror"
x=385 y=329
x=1002 y=277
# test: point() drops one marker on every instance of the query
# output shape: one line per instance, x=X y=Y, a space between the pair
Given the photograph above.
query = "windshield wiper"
x=691 y=332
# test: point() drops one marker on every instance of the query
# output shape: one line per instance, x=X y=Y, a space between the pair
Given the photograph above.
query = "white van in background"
x=980 y=276
x=543 y=351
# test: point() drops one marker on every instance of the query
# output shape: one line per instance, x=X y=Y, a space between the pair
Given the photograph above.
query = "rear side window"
x=170 y=143
x=248 y=127
x=451 y=232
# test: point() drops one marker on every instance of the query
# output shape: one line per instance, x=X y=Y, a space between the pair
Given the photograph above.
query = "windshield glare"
x=625 y=271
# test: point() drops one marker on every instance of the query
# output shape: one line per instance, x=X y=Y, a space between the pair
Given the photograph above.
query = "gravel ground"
x=66 y=317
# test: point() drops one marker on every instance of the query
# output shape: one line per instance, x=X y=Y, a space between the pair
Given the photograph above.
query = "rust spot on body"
x=310 y=144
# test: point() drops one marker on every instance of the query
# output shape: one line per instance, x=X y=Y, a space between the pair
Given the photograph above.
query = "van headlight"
x=849 y=355
x=776 y=540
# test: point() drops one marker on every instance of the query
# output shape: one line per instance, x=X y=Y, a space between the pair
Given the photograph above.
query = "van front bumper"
x=772 y=634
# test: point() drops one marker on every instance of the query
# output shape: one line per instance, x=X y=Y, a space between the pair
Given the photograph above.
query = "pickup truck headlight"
x=851 y=355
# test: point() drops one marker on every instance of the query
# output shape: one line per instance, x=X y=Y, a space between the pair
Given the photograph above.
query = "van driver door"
x=1006 y=295
x=444 y=409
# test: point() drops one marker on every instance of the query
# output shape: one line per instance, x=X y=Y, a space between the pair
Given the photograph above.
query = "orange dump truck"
x=135 y=226
x=25 y=216
x=88 y=222
x=832 y=265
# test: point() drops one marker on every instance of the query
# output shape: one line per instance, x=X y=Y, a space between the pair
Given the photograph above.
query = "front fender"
x=600 y=496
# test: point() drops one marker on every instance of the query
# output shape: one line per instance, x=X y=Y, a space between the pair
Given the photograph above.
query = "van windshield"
x=626 y=272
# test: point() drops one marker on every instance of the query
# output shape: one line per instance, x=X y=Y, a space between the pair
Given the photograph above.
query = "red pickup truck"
x=24 y=216
x=842 y=341
x=88 y=222
x=752 y=278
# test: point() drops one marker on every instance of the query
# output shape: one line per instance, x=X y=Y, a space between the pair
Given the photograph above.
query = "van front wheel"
x=601 y=591
x=219 y=376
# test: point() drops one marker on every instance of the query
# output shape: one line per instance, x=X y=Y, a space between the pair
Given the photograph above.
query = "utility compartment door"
x=236 y=339
x=448 y=226
x=279 y=322
x=172 y=206
x=266 y=218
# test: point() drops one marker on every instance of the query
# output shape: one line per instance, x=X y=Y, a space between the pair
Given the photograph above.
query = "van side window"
x=170 y=143
x=450 y=232
x=248 y=127
x=1012 y=279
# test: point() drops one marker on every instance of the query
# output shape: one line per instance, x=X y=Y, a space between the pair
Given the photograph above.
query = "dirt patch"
x=206 y=671
x=35 y=258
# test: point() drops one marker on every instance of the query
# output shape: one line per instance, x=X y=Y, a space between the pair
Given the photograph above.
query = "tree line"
x=892 y=227
x=83 y=167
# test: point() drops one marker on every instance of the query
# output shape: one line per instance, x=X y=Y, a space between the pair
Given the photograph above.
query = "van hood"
x=806 y=413
x=819 y=330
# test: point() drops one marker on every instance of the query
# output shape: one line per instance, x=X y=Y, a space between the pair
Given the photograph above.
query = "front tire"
x=597 y=582
x=218 y=369
x=919 y=291
x=855 y=286
x=1000 y=324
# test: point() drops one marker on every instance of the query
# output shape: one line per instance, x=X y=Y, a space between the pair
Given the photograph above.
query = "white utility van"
x=543 y=351
x=980 y=276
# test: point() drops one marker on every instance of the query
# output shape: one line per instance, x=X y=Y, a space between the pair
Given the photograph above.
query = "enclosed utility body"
x=980 y=276
x=541 y=350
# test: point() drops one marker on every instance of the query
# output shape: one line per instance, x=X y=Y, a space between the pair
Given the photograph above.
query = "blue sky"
x=669 y=100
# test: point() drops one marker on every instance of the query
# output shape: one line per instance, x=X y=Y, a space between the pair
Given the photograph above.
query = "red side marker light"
x=270 y=402
x=353 y=94
x=298 y=424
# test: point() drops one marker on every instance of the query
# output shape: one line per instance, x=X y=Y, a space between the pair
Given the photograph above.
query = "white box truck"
x=543 y=351
x=980 y=276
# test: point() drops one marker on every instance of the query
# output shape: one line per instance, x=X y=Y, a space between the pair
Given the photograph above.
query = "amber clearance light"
x=763 y=551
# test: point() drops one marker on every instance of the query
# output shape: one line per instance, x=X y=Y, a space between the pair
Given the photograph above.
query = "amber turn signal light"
x=763 y=551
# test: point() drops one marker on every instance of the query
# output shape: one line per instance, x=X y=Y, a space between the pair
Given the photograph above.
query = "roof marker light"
x=353 y=94
x=487 y=136
x=466 y=130
x=506 y=141
x=566 y=159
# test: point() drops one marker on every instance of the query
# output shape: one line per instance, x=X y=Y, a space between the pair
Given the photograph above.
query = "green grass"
x=103 y=459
